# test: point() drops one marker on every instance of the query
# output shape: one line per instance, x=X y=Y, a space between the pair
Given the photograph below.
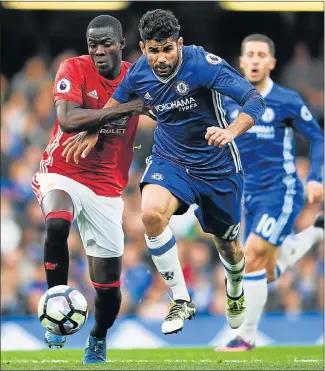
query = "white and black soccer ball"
x=63 y=310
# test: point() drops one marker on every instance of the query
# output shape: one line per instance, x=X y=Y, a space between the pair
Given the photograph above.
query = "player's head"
x=105 y=43
x=257 y=58
x=160 y=41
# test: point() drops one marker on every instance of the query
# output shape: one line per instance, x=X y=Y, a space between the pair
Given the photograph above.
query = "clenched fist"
x=218 y=137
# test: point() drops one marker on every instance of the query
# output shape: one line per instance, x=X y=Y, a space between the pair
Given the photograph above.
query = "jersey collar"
x=268 y=88
x=174 y=73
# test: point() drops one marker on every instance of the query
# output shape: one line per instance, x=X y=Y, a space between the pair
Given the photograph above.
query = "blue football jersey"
x=186 y=104
x=267 y=149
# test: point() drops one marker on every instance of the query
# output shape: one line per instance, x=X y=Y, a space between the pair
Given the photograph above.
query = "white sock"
x=255 y=288
x=296 y=246
x=163 y=250
x=234 y=274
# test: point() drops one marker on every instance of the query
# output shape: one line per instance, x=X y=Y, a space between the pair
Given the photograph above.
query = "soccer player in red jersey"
x=90 y=190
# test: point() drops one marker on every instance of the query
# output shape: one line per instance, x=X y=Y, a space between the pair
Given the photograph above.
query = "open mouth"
x=101 y=62
x=162 y=69
x=254 y=71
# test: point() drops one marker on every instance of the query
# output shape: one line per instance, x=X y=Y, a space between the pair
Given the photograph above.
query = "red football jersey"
x=105 y=170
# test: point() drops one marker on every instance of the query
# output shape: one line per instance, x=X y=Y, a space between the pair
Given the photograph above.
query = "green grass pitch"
x=265 y=358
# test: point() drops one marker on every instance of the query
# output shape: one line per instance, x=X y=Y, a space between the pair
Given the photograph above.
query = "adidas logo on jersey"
x=148 y=96
x=93 y=94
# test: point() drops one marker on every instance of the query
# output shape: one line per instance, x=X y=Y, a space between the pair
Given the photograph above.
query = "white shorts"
x=99 y=218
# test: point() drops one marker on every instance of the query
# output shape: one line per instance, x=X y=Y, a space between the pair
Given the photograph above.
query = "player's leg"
x=59 y=203
x=105 y=275
x=296 y=246
x=100 y=225
x=232 y=256
x=165 y=192
x=57 y=208
x=259 y=253
x=158 y=205
x=219 y=213
x=272 y=222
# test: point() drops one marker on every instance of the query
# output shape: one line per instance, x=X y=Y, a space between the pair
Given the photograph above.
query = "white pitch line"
x=307 y=360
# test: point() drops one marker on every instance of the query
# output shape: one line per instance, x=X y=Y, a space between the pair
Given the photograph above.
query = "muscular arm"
x=241 y=124
x=73 y=118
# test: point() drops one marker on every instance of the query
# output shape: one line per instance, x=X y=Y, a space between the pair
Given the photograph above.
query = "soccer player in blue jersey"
x=274 y=194
x=184 y=85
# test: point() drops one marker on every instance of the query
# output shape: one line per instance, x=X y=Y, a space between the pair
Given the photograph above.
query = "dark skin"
x=105 y=49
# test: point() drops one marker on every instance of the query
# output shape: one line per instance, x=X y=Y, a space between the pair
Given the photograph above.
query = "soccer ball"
x=63 y=310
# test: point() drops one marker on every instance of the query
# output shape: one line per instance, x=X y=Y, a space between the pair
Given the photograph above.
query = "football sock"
x=163 y=250
x=107 y=307
x=255 y=287
x=234 y=274
x=56 y=253
x=295 y=247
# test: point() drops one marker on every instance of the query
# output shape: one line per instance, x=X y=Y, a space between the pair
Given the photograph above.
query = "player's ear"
x=241 y=62
x=142 y=47
x=122 y=43
x=273 y=64
x=180 y=42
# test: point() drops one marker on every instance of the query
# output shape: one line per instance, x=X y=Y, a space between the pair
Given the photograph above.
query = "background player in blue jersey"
x=184 y=85
x=273 y=192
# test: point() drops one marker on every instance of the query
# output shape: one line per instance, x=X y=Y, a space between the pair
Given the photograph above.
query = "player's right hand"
x=218 y=137
x=138 y=107
x=80 y=144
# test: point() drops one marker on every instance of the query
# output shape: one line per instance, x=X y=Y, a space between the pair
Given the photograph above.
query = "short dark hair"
x=259 y=37
x=106 y=21
x=159 y=25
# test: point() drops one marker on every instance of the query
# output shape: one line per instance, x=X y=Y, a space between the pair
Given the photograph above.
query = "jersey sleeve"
x=218 y=75
x=124 y=92
x=305 y=124
x=69 y=82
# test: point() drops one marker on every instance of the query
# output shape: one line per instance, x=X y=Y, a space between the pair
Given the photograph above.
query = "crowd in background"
x=27 y=118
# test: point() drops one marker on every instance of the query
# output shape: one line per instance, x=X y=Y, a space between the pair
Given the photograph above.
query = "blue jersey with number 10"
x=186 y=104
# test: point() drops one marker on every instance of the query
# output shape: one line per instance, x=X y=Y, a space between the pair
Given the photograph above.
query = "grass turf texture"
x=265 y=358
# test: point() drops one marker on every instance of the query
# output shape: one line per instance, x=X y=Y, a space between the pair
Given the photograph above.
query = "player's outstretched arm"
x=82 y=144
x=73 y=118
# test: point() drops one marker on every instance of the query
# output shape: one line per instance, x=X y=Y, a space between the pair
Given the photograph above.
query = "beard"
x=173 y=66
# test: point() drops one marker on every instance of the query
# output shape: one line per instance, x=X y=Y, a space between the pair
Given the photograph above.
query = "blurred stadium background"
x=34 y=42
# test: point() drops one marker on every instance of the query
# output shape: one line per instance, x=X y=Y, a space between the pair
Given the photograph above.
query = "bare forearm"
x=241 y=124
x=80 y=119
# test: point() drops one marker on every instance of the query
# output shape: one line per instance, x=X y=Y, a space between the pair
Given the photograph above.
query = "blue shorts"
x=219 y=201
x=272 y=215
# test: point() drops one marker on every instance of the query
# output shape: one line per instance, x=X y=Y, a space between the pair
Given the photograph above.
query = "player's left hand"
x=218 y=137
x=314 y=191
x=80 y=144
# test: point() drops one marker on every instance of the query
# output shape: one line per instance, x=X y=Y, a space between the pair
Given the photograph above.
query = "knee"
x=57 y=228
x=152 y=216
x=256 y=258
